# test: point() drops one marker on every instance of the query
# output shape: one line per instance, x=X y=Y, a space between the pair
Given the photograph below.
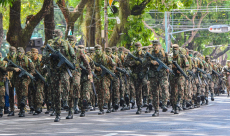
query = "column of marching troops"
x=108 y=79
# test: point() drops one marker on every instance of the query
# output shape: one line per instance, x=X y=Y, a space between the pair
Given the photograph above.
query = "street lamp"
x=219 y=28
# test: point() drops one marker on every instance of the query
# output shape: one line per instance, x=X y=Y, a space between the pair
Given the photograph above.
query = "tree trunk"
x=1 y=30
x=221 y=53
x=71 y=17
x=98 y=23
x=124 y=12
x=49 y=24
x=90 y=24
x=17 y=36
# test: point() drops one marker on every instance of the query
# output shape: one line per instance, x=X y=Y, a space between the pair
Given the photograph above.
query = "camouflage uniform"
x=226 y=74
x=158 y=78
x=23 y=82
x=60 y=77
x=39 y=84
x=102 y=84
x=85 y=81
x=117 y=83
x=138 y=70
x=3 y=73
x=177 y=82
x=210 y=86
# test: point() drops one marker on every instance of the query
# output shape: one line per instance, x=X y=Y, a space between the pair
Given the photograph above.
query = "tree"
x=18 y=36
x=71 y=16
x=49 y=24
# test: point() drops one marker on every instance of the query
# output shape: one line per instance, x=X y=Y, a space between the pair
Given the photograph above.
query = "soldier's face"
x=20 y=54
x=34 y=54
x=120 y=51
x=12 y=53
x=207 y=59
x=175 y=52
x=156 y=48
x=98 y=51
x=108 y=53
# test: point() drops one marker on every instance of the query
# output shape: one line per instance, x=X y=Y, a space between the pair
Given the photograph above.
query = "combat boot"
x=212 y=97
x=150 y=106
x=161 y=104
x=123 y=107
x=53 y=113
x=22 y=104
x=147 y=110
x=11 y=113
x=37 y=111
x=58 y=118
x=178 y=103
x=31 y=110
x=101 y=112
x=198 y=100
x=168 y=103
x=172 y=111
x=176 y=110
x=164 y=108
x=138 y=110
x=133 y=104
x=116 y=106
x=184 y=105
x=109 y=108
x=48 y=110
x=206 y=100
x=145 y=101
x=70 y=114
x=202 y=100
x=22 y=112
x=156 y=113
x=82 y=114
x=105 y=106
x=1 y=113
x=76 y=109
x=6 y=110
x=65 y=105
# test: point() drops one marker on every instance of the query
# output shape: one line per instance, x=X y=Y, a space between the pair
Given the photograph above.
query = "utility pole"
x=106 y=24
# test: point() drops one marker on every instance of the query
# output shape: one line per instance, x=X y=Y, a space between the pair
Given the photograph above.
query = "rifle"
x=161 y=64
x=40 y=76
x=104 y=70
x=216 y=73
x=63 y=60
x=199 y=78
x=191 y=74
x=23 y=72
x=136 y=58
x=209 y=77
x=94 y=90
x=180 y=69
x=122 y=71
x=227 y=70
x=202 y=71
x=84 y=71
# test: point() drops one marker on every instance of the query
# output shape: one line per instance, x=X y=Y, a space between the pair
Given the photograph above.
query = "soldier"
x=227 y=77
x=116 y=84
x=158 y=78
x=138 y=69
x=24 y=81
x=60 y=76
x=83 y=79
x=103 y=83
x=130 y=89
x=12 y=56
x=3 y=73
x=114 y=50
x=39 y=85
x=28 y=54
x=209 y=69
x=177 y=83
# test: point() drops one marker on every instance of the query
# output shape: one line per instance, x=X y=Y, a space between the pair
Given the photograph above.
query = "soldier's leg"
x=163 y=82
x=211 y=87
x=174 y=94
x=2 y=99
x=85 y=96
x=100 y=92
x=75 y=87
x=105 y=88
x=11 y=99
x=116 y=93
x=186 y=93
x=138 y=91
x=145 y=92
x=31 y=99
x=154 y=86
x=180 y=83
x=39 y=97
x=24 y=95
x=122 y=93
x=132 y=92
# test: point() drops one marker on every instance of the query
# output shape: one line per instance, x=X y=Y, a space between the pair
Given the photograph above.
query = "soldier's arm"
x=31 y=67
x=111 y=63
x=85 y=62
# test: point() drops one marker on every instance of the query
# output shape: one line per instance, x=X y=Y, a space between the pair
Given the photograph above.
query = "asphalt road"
x=212 y=119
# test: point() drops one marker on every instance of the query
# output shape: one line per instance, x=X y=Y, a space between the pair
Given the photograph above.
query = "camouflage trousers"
x=177 y=88
x=31 y=95
x=85 y=93
x=209 y=87
x=102 y=87
x=155 y=84
x=39 y=94
x=138 y=90
x=186 y=91
x=22 y=85
x=47 y=94
x=145 y=89
x=121 y=84
x=59 y=81
x=130 y=88
x=2 y=94
x=92 y=95
x=116 y=87
x=75 y=87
